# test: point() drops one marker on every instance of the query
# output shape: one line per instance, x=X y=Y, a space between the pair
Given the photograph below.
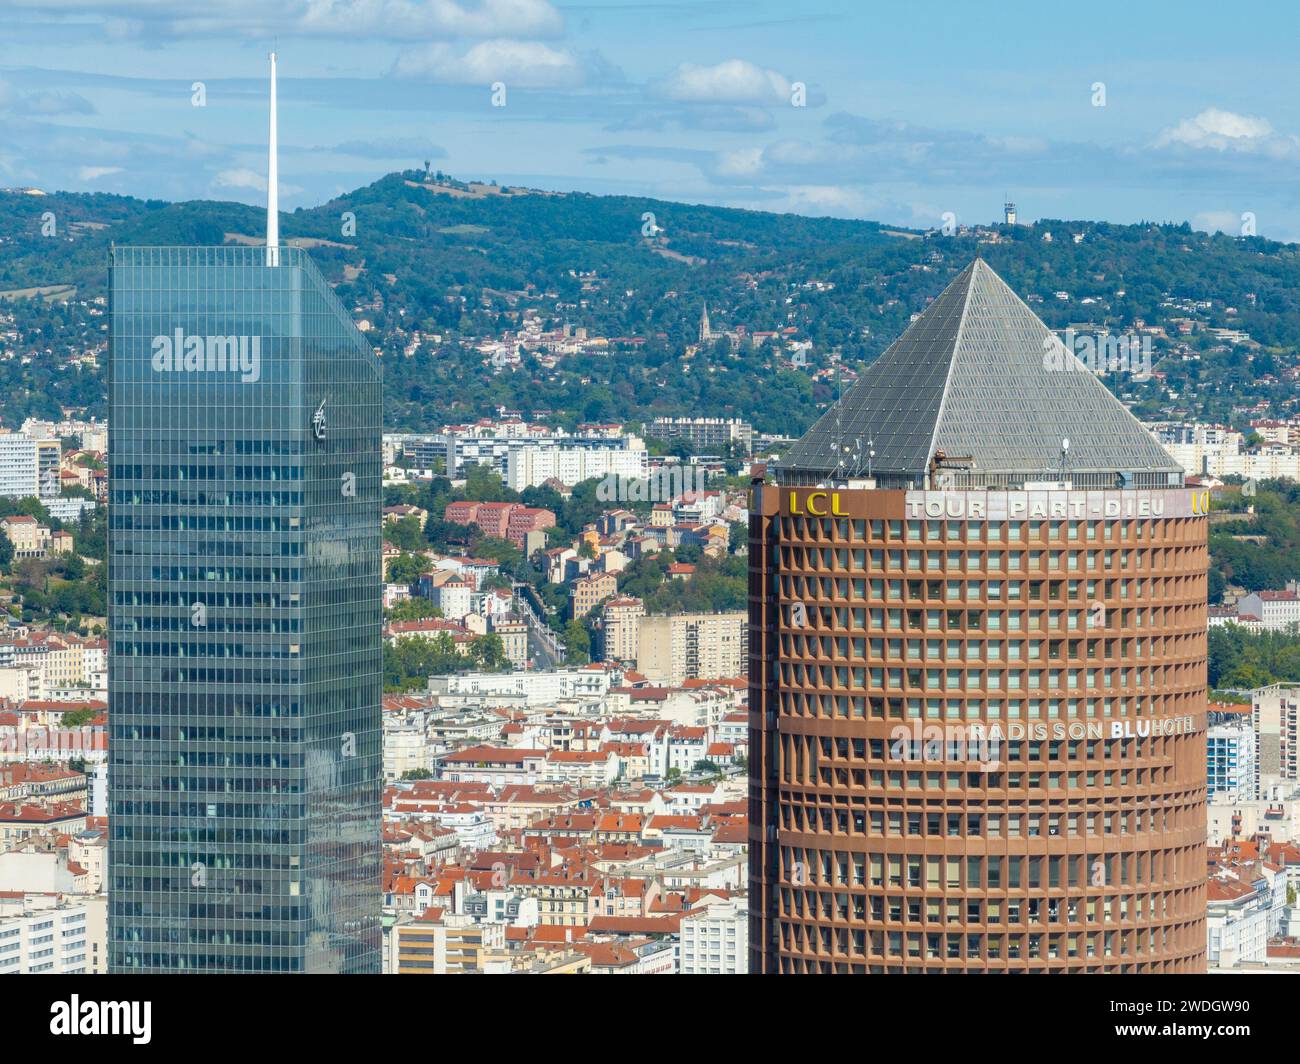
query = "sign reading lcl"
x=815 y=499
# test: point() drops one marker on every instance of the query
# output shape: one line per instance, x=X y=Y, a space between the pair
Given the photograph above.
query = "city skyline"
x=723 y=488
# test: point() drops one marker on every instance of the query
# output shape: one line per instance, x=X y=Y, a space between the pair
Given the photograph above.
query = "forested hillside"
x=415 y=252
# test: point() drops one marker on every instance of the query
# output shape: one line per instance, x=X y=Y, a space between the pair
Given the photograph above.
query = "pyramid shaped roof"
x=981 y=379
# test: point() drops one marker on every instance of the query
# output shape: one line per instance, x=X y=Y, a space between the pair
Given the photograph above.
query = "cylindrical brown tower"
x=977 y=672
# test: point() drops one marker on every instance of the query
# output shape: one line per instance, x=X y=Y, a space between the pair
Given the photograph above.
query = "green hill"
x=464 y=262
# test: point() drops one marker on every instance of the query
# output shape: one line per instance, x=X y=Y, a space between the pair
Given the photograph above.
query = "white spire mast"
x=273 y=186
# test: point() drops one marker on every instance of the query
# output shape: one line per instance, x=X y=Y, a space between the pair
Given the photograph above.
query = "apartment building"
x=513 y=633
x=620 y=625
x=1275 y=718
x=28 y=466
x=29 y=537
x=1276 y=611
x=693 y=646
x=572 y=461
x=441 y=943
x=704 y=433
x=588 y=592
x=715 y=940
x=42 y=934
x=1231 y=764
x=503 y=520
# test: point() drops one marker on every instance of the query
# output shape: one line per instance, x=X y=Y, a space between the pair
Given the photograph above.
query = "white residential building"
x=1218 y=451
x=1231 y=764
x=406 y=746
x=1276 y=611
x=1238 y=917
x=26 y=464
x=536 y=687
x=40 y=934
x=715 y=941
x=454 y=598
x=531 y=464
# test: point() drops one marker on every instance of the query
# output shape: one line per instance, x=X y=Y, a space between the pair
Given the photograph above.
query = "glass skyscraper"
x=244 y=616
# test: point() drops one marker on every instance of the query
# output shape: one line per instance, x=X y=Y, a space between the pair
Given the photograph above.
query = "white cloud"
x=405 y=20
x=835 y=200
x=742 y=162
x=241 y=178
x=1218 y=222
x=732 y=81
x=56 y=103
x=1021 y=145
x=43 y=103
x=433 y=18
x=802 y=153
x=522 y=64
x=93 y=173
x=1224 y=131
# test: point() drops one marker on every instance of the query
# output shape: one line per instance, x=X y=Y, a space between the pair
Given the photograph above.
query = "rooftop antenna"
x=839 y=425
x=1065 y=455
x=273 y=185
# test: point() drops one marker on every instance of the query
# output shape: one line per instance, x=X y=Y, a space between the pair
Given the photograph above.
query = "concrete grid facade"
x=871 y=855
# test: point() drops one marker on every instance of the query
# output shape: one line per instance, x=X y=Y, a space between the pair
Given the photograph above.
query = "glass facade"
x=244 y=615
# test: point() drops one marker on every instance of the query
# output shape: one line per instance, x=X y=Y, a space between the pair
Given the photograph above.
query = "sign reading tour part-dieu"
x=1062 y=505
x=179 y=353
x=980 y=505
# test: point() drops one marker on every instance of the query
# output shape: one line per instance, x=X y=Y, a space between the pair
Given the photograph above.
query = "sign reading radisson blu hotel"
x=244 y=616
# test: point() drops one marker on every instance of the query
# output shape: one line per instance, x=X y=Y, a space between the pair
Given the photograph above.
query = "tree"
x=577 y=642
x=415 y=608
x=410 y=660
x=405 y=534
x=483 y=485
x=406 y=568
x=1215 y=587
x=501 y=551
x=488 y=652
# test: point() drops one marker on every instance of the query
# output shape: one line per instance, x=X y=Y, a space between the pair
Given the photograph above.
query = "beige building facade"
x=693 y=646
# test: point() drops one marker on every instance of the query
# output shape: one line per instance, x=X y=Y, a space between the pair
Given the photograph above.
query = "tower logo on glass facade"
x=318 y=421
x=179 y=353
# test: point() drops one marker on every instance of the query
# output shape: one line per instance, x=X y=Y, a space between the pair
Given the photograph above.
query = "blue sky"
x=911 y=109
